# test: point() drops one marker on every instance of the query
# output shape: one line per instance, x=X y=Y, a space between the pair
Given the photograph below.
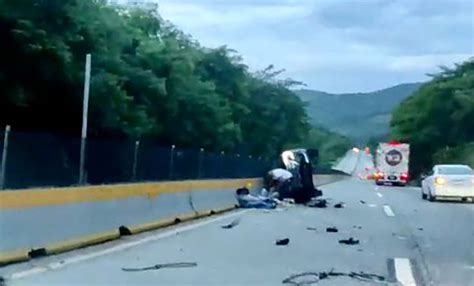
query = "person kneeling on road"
x=280 y=183
x=246 y=200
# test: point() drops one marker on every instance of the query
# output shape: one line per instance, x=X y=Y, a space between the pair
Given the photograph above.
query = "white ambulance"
x=391 y=162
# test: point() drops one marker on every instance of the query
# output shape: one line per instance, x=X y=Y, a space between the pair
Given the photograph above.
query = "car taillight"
x=379 y=175
x=404 y=176
x=440 y=181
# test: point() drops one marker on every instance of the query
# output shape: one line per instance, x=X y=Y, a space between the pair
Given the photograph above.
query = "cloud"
x=335 y=45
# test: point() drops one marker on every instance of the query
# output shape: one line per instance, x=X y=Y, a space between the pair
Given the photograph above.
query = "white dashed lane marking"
x=403 y=272
x=388 y=210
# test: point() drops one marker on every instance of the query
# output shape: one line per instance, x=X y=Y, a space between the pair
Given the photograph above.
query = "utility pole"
x=85 y=108
x=4 y=157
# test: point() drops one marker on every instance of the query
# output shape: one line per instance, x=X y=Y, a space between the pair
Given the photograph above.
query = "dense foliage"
x=438 y=120
x=148 y=80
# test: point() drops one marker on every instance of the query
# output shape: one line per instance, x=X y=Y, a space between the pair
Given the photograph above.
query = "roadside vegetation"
x=149 y=80
x=438 y=119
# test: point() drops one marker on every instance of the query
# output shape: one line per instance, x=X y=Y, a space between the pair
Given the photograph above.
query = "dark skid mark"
x=350 y=241
x=161 y=266
x=332 y=229
x=309 y=278
x=283 y=241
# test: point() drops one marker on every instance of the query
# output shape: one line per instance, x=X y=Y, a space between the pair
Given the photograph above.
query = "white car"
x=448 y=181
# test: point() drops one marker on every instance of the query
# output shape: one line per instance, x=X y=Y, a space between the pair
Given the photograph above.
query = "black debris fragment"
x=309 y=278
x=332 y=229
x=350 y=241
x=319 y=203
x=2 y=281
x=420 y=228
x=283 y=241
x=232 y=224
x=362 y=201
x=311 y=228
x=357 y=226
x=161 y=266
x=339 y=205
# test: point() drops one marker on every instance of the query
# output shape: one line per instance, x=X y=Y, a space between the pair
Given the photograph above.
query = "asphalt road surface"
x=404 y=239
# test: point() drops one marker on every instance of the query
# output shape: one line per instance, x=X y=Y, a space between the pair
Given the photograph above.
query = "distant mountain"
x=356 y=115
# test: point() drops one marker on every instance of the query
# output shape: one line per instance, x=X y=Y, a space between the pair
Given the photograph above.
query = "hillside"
x=357 y=115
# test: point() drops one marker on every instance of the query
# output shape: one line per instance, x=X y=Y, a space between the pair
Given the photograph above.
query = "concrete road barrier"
x=49 y=221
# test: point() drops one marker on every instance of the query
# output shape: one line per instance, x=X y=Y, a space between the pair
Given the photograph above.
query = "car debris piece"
x=311 y=228
x=350 y=241
x=420 y=228
x=232 y=224
x=332 y=229
x=283 y=241
x=357 y=226
x=362 y=201
x=309 y=278
x=318 y=203
x=339 y=205
x=161 y=266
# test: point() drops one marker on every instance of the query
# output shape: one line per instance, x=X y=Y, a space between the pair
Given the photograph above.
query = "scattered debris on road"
x=232 y=224
x=350 y=241
x=362 y=201
x=161 y=266
x=339 y=205
x=2 y=281
x=318 y=203
x=283 y=241
x=332 y=229
x=308 y=278
x=420 y=228
x=311 y=228
x=357 y=226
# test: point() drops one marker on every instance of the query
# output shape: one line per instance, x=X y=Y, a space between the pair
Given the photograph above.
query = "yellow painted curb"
x=19 y=255
x=226 y=209
x=187 y=217
x=67 y=245
x=151 y=225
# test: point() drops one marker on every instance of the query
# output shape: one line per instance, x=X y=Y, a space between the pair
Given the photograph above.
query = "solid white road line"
x=403 y=272
x=388 y=211
x=121 y=246
x=380 y=195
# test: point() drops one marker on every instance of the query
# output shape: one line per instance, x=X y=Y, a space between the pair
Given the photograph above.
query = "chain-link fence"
x=44 y=160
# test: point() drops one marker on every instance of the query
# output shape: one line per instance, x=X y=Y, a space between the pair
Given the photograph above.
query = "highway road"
x=403 y=240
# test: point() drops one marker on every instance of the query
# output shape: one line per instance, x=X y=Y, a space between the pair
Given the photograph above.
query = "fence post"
x=201 y=154
x=4 y=157
x=135 y=162
x=171 y=161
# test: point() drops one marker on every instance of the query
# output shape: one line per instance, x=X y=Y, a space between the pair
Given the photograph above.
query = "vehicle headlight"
x=440 y=181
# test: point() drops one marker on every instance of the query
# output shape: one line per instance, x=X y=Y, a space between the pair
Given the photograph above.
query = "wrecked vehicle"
x=299 y=163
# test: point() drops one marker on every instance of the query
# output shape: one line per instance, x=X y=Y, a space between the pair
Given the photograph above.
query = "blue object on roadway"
x=263 y=204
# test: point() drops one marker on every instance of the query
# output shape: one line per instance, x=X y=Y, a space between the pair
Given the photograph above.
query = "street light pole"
x=85 y=108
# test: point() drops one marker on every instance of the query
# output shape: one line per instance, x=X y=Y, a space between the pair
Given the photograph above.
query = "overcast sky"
x=334 y=45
